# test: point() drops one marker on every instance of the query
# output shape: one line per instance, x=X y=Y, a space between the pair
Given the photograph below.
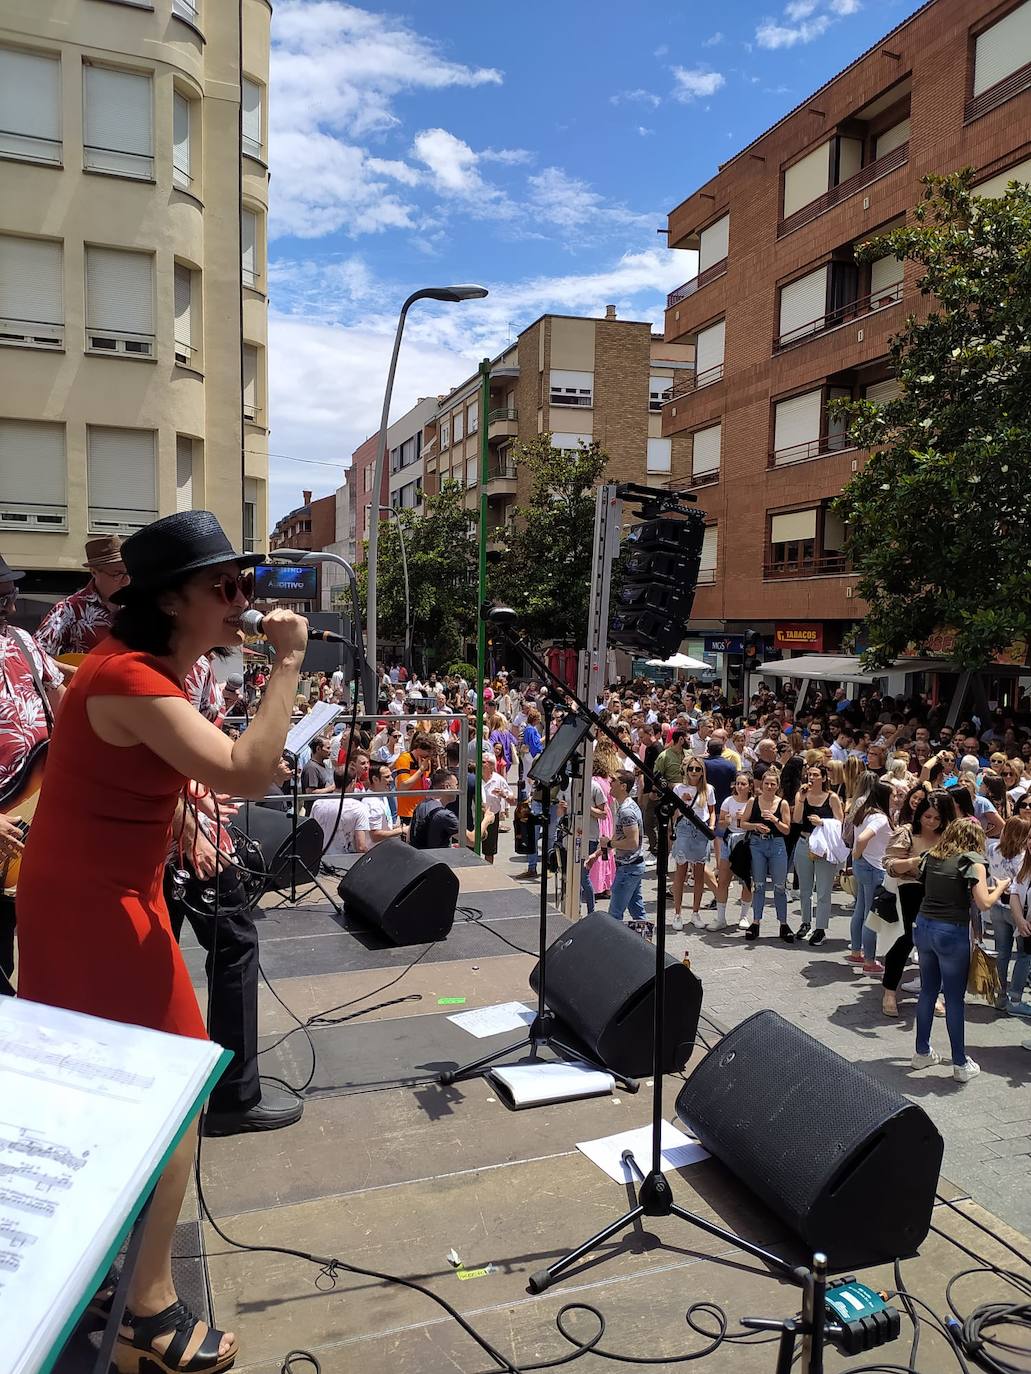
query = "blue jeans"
x=868 y=879
x=626 y=892
x=1005 y=933
x=586 y=890
x=944 y=950
x=769 y=860
x=810 y=871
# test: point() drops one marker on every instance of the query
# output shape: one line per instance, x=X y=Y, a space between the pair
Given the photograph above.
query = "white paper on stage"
x=484 y=1021
x=89 y=1111
x=678 y=1150
x=535 y=1085
x=321 y=715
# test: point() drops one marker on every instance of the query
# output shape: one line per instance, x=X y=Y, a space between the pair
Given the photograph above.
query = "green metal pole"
x=481 y=596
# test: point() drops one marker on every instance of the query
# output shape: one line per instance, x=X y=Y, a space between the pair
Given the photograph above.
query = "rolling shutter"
x=997 y=185
x=797 y=524
x=709 y=349
x=705 y=450
x=251 y=117
x=1003 y=48
x=707 y=562
x=183 y=314
x=796 y=422
x=660 y=457
x=30 y=283
x=882 y=392
x=30 y=105
x=570 y=440
x=807 y=179
x=714 y=243
x=121 y=478
x=249 y=247
x=181 y=139
x=885 y=278
x=183 y=472
x=803 y=306
x=32 y=464
x=118 y=132
x=250 y=382
x=892 y=138
x=119 y=292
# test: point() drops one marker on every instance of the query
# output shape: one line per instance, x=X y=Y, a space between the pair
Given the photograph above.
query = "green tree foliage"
x=441 y=549
x=545 y=573
x=939 y=518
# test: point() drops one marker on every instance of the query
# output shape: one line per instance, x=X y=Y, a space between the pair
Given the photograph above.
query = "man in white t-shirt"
x=345 y=824
x=382 y=825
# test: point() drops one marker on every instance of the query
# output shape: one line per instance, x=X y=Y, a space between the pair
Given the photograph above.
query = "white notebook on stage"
x=90 y=1110
x=540 y=1084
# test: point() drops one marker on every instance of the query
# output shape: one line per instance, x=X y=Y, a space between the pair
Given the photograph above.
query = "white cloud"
x=643 y=131
x=662 y=50
x=772 y=35
x=451 y=161
x=639 y=95
x=572 y=204
x=845 y=7
x=713 y=40
x=800 y=9
x=692 y=82
x=332 y=185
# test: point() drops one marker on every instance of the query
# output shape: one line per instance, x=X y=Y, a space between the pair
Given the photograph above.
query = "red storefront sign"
x=799 y=635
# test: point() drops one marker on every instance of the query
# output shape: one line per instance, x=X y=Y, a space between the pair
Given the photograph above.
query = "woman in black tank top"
x=815 y=803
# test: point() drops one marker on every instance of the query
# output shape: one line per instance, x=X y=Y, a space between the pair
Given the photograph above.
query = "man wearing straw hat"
x=82 y=620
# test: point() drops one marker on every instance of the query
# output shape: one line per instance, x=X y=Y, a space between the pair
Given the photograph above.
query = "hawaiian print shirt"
x=205 y=691
x=75 y=625
x=23 y=721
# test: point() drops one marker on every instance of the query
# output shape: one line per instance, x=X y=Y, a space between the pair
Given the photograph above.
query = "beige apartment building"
x=133 y=290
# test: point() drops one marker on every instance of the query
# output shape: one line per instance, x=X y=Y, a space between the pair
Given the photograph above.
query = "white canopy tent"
x=683 y=662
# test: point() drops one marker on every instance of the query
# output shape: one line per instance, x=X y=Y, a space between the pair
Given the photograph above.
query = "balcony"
x=501 y=478
x=503 y=424
x=822 y=565
x=498 y=536
x=696 y=283
x=998 y=94
x=813 y=448
x=845 y=314
x=694 y=381
x=890 y=162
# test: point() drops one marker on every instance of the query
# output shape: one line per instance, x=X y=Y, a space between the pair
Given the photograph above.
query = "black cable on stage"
x=475 y=917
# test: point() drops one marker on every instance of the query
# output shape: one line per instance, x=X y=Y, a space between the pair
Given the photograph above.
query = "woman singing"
x=93 y=928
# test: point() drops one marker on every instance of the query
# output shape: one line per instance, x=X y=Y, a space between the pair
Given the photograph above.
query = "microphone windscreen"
x=251 y=621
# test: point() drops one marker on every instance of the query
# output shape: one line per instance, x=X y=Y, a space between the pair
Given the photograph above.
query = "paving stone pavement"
x=986 y=1124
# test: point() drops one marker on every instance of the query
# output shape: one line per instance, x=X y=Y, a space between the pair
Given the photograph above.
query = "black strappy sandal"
x=99 y=1306
x=130 y=1355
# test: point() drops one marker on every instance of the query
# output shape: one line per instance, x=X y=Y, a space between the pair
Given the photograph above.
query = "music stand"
x=299 y=737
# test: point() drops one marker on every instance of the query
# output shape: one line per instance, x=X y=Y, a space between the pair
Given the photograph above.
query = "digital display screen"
x=279 y=582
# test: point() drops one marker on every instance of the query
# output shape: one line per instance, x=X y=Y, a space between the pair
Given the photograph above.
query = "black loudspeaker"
x=600 y=979
x=271 y=829
x=850 y=1165
x=404 y=891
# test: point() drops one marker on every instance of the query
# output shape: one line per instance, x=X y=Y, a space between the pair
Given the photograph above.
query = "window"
x=713 y=244
x=458 y=426
x=30 y=106
x=119 y=302
x=367 y=478
x=408 y=453
x=996 y=186
x=252 y=119
x=251 y=498
x=445 y=434
x=660 y=390
x=185 y=352
x=31 y=298
x=251 y=410
x=891 y=138
x=570 y=440
x=660 y=455
x=182 y=160
x=709 y=354
x=803 y=305
x=33 y=492
x=885 y=282
x=880 y=393
x=249 y=249
x=1003 y=49
x=705 y=453
x=572 y=388
x=119 y=128
x=186 y=9
x=183 y=472
x=472 y=471
x=473 y=416
x=806 y=179
x=796 y=427
x=120 y=473
x=707 y=562
x=805 y=543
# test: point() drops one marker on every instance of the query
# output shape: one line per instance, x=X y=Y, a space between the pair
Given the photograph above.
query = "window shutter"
x=119 y=292
x=882 y=392
x=892 y=138
x=996 y=186
x=30 y=105
x=30 y=284
x=714 y=242
x=660 y=453
x=121 y=477
x=807 y=179
x=709 y=348
x=32 y=467
x=251 y=117
x=833 y=532
x=250 y=382
x=707 y=562
x=885 y=279
x=569 y=440
x=705 y=450
x=183 y=472
x=181 y=139
x=118 y=133
x=659 y=387
x=1003 y=48
x=249 y=246
x=797 y=524
x=183 y=318
x=796 y=422
x=572 y=388
x=803 y=306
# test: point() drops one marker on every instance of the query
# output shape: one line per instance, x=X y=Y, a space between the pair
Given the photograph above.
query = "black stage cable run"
x=474 y=916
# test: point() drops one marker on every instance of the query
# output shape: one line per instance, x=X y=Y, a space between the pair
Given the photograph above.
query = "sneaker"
x=697 y=919
x=873 y=966
x=803 y=930
x=1019 y=1008
x=717 y=923
x=855 y=956
x=963 y=1073
x=677 y=923
x=816 y=937
x=752 y=933
x=912 y=986
x=786 y=935
x=744 y=923
x=924 y=1061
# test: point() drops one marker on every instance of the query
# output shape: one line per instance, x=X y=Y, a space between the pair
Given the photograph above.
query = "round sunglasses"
x=228 y=585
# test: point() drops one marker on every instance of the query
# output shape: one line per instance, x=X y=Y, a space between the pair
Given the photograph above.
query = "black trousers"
x=910 y=895
x=6 y=944
x=232 y=972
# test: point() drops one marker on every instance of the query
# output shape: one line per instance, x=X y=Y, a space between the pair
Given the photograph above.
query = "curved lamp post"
x=370 y=686
x=389 y=510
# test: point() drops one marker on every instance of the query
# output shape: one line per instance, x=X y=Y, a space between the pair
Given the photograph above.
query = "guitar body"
x=72 y=659
x=18 y=800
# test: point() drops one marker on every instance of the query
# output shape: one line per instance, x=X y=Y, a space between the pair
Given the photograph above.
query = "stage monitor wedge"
x=409 y=894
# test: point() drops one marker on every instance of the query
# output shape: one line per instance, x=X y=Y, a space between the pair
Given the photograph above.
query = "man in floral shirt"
x=75 y=625
x=24 y=723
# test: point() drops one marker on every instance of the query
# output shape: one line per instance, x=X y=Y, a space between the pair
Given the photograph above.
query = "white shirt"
x=495 y=794
x=378 y=809
x=701 y=804
x=879 y=823
x=354 y=816
x=732 y=809
x=396 y=708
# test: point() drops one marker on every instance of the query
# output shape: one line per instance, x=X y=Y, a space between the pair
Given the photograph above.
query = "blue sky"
x=533 y=148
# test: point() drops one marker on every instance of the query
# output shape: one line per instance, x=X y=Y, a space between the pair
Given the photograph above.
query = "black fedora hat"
x=162 y=551
x=8 y=574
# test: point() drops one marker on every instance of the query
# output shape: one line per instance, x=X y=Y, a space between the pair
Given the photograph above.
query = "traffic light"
x=752 y=642
x=653 y=604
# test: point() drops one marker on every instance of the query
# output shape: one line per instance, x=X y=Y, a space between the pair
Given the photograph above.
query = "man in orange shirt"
x=412 y=774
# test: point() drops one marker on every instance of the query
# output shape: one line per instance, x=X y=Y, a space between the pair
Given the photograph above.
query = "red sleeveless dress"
x=93 y=928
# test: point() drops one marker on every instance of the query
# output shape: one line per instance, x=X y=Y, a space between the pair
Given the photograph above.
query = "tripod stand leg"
x=767 y=1256
x=544 y=1278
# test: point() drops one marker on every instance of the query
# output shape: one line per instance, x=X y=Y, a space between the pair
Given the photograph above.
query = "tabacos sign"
x=798 y=636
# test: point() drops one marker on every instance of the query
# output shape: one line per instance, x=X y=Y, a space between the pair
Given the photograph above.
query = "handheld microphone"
x=252 y=621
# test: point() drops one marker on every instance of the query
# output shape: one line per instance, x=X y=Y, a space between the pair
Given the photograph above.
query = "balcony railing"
x=696 y=283
x=843 y=314
x=703 y=479
x=898 y=157
x=812 y=448
x=694 y=381
x=822 y=565
x=998 y=94
x=502 y=472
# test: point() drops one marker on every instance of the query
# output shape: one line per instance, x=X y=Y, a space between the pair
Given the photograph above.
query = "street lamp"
x=389 y=510
x=452 y=294
x=369 y=684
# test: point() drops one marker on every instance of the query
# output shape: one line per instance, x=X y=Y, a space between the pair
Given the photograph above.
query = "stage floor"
x=392 y=1172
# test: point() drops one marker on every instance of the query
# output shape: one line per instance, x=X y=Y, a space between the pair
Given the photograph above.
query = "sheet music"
x=323 y=713
x=88 y=1109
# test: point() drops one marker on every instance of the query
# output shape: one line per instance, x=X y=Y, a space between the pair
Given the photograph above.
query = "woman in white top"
x=873 y=830
x=1008 y=858
x=690 y=847
x=730 y=816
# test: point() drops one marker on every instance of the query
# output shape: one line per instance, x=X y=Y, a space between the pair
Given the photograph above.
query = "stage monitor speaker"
x=849 y=1164
x=600 y=980
x=270 y=829
x=410 y=895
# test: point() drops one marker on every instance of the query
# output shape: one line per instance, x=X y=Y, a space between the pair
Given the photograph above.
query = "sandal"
x=99 y=1306
x=130 y=1355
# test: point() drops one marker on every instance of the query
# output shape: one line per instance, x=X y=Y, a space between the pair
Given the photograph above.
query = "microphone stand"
x=654 y=1197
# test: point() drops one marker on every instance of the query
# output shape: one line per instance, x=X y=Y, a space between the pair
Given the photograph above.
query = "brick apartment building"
x=783 y=320
x=311 y=526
